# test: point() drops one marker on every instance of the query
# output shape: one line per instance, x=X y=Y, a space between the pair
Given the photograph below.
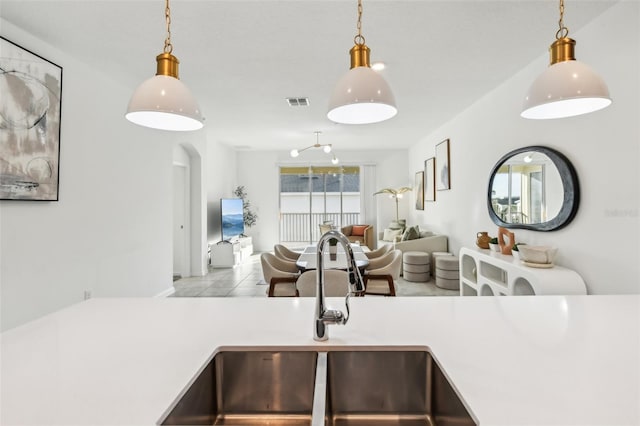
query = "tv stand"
x=227 y=254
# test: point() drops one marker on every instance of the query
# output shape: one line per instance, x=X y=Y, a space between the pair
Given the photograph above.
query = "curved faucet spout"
x=323 y=316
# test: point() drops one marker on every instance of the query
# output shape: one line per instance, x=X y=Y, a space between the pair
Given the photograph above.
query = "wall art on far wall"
x=419 y=190
x=30 y=106
x=443 y=172
x=429 y=179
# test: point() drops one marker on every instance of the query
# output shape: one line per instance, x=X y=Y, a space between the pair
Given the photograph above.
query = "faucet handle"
x=333 y=316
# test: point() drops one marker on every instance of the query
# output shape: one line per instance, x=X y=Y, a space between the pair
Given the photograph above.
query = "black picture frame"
x=30 y=118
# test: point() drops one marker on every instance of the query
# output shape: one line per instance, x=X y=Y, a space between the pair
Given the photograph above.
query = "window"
x=310 y=196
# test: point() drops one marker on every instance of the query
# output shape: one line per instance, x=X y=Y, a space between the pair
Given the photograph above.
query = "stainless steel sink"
x=390 y=388
x=250 y=388
x=335 y=388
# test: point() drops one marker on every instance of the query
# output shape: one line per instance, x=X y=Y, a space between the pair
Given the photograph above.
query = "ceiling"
x=241 y=59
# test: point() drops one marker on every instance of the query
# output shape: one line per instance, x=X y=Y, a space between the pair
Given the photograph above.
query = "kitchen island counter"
x=552 y=360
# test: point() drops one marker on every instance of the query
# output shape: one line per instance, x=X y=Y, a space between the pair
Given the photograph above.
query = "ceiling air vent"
x=298 y=102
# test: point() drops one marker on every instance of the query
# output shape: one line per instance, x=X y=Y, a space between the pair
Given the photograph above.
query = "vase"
x=333 y=252
x=483 y=239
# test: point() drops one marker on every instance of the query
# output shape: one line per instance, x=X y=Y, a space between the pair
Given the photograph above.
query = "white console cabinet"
x=230 y=254
x=487 y=273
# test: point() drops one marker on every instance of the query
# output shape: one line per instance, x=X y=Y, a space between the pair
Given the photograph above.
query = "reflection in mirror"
x=533 y=188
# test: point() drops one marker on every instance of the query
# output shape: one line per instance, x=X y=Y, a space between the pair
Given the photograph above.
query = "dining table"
x=308 y=259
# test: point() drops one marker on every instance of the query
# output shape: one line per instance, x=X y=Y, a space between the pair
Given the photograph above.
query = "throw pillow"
x=411 y=233
x=391 y=234
x=358 y=230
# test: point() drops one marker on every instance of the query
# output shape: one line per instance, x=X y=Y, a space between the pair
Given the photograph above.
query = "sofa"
x=362 y=234
x=427 y=242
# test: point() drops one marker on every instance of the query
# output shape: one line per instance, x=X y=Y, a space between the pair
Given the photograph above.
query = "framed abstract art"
x=418 y=187
x=430 y=179
x=30 y=109
x=443 y=173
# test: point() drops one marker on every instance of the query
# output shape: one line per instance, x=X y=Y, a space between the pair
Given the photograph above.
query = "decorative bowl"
x=537 y=254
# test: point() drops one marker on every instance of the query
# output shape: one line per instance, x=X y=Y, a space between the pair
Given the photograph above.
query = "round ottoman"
x=415 y=266
x=447 y=272
x=433 y=259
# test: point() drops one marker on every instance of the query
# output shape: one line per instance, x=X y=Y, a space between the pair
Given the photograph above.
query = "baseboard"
x=168 y=292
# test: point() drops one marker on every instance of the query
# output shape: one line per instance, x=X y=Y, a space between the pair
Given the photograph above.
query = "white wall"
x=602 y=242
x=259 y=174
x=110 y=231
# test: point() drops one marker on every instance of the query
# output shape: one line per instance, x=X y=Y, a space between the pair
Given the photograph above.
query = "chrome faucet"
x=324 y=316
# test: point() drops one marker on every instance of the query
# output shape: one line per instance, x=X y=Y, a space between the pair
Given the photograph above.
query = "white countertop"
x=545 y=360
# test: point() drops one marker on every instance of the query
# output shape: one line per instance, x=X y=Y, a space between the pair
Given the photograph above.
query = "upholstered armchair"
x=285 y=253
x=360 y=233
x=380 y=251
x=281 y=275
x=381 y=274
x=336 y=283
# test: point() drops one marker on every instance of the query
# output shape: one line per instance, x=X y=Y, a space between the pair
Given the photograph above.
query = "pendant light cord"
x=563 y=31
x=359 y=38
x=168 y=47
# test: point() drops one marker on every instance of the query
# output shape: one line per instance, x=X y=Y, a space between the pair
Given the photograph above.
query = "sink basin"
x=250 y=388
x=390 y=388
x=336 y=388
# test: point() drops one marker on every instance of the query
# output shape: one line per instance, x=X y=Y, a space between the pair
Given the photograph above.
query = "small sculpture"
x=505 y=247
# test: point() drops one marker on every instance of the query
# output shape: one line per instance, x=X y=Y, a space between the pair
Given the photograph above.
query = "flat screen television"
x=231 y=218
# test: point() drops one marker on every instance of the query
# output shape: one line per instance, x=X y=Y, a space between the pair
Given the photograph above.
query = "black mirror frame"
x=571 y=190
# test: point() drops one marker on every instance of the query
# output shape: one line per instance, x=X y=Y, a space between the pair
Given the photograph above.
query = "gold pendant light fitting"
x=563 y=49
x=360 y=52
x=360 y=55
x=167 y=65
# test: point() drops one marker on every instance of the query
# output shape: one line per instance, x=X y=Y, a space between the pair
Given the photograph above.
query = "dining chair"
x=285 y=253
x=281 y=275
x=324 y=228
x=374 y=254
x=336 y=283
x=381 y=274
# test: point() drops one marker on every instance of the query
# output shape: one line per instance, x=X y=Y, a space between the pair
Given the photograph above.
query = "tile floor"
x=242 y=281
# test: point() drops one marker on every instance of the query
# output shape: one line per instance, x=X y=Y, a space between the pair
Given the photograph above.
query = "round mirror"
x=533 y=188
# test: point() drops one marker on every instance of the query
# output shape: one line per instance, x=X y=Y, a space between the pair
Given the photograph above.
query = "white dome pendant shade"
x=568 y=87
x=163 y=102
x=361 y=96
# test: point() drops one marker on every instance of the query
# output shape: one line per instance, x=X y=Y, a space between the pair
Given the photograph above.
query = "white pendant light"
x=163 y=101
x=361 y=96
x=568 y=87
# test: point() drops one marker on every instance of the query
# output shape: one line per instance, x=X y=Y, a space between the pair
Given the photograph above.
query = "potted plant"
x=249 y=216
x=515 y=252
x=395 y=194
x=333 y=248
x=493 y=244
